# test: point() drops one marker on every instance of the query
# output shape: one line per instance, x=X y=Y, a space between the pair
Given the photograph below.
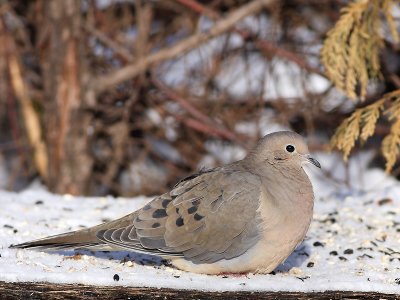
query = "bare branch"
x=104 y=82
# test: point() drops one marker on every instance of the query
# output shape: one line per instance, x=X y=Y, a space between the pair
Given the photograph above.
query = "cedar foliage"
x=350 y=55
x=351 y=50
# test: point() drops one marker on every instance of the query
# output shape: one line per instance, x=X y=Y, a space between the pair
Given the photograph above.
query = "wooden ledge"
x=42 y=290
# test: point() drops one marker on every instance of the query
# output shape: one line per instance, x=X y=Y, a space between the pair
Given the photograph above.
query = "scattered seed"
x=76 y=256
x=384 y=252
x=129 y=263
x=116 y=277
x=334 y=253
x=303 y=278
x=363 y=256
x=348 y=251
x=318 y=244
x=177 y=276
x=364 y=248
x=329 y=220
x=39 y=202
x=384 y=201
x=310 y=264
x=342 y=258
x=382 y=239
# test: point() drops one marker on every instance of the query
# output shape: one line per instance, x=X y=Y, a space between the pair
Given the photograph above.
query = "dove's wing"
x=205 y=218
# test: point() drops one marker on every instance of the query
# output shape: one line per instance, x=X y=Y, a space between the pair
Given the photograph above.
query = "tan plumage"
x=247 y=216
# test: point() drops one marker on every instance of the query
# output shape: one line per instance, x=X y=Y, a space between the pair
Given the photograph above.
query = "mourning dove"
x=247 y=216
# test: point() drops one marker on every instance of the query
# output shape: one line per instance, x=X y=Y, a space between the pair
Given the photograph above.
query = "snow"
x=353 y=242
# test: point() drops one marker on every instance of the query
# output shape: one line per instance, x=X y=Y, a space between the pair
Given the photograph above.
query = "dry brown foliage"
x=127 y=97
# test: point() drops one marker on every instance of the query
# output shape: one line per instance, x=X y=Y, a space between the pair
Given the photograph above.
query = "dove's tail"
x=81 y=239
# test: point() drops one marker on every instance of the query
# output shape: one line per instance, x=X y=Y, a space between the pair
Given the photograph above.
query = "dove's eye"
x=290 y=148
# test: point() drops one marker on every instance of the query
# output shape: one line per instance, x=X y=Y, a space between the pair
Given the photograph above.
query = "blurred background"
x=126 y=97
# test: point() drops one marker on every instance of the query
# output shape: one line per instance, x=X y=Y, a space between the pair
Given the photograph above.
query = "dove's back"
x=191 y=221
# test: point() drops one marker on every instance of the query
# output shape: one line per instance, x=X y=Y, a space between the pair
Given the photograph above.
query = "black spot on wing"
x=198 y=217
x=165 y=202
x=192 y=210
x=159 y=213
x=155 y=225
x=147 y=207
x=179 y=222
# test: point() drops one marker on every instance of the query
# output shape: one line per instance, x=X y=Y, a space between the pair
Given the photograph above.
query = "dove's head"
x=283 y=148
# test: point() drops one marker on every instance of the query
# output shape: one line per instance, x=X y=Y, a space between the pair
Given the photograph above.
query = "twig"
x=118 y=49
x=144 y=15
x=210 y=130
x=178 y=98
x=202 y=123
x=104 y=82
x=395 y=79
x=288 y=55
x=200 y=8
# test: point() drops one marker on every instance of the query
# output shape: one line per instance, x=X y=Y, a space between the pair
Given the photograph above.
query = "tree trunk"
x=60 y=40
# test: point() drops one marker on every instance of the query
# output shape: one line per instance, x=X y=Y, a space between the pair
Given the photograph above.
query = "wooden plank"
x=42 y=290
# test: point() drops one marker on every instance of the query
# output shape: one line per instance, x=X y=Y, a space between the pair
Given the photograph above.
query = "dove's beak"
x=312 y=160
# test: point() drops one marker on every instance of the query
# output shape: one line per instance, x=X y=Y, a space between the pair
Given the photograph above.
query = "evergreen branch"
x=361 y=125
x=351 y=50
x=390 y=145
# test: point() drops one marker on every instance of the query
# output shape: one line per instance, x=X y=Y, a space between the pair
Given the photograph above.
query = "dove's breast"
x=284 y=228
